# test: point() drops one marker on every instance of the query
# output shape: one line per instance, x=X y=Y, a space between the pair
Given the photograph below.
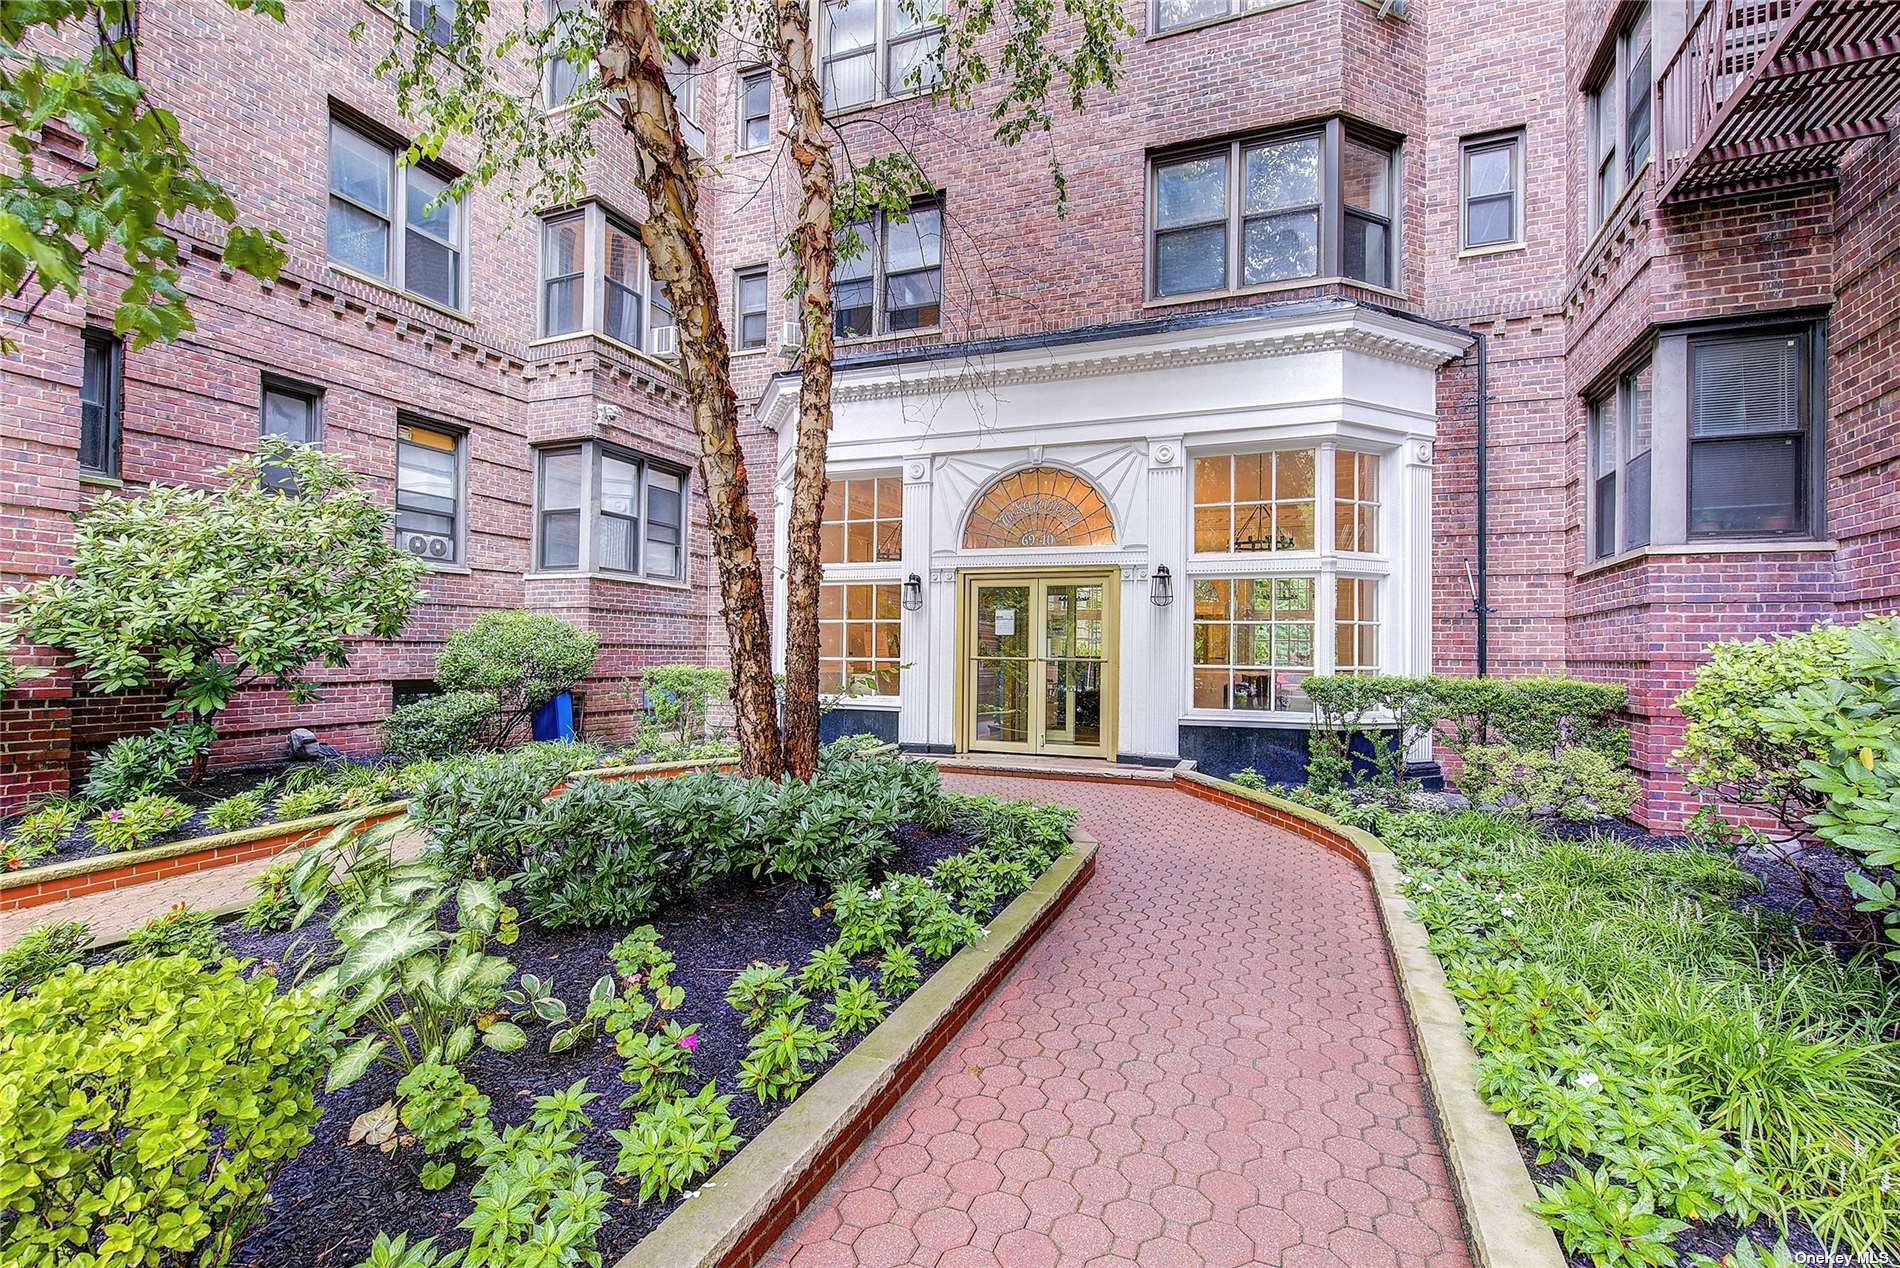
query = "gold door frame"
x=967 y=581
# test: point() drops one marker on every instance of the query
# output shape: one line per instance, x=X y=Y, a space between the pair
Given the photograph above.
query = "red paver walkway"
x=1204 y=1062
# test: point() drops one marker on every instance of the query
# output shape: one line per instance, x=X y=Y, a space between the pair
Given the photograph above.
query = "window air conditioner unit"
x=428 y=546
x=791 y=337
x=666 y=341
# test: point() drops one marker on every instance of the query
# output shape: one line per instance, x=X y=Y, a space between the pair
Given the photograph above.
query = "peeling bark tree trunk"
x=813 y=249
x=633 y=61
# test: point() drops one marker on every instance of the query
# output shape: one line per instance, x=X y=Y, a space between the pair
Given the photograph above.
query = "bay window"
x=594 y=277
x=1283 y=584
x=1750 y=443
x=1618 y=442
x=603 y=509
x=1308 y=203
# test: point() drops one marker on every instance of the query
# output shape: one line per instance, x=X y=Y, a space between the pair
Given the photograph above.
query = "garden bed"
x=330 y=1202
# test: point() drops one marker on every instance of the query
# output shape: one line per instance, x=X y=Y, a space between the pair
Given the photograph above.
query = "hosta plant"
x=145 y=1106
x=674 y=1143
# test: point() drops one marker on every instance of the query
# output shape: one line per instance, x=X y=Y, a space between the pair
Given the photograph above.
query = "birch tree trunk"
x=813 y=250
x=633 y=61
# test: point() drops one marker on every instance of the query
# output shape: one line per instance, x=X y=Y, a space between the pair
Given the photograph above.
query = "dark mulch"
x=328 y=1205
x=214 y=787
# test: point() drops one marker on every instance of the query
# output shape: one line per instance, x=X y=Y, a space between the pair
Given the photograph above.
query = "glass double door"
x=1040 y=673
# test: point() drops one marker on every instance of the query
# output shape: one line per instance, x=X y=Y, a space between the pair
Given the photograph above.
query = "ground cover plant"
x=1680 y=1064
x=496 y=1086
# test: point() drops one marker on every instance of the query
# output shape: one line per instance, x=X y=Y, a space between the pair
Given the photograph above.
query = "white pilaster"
x=924 y=653
x=1412 y=575
x=1155 y=704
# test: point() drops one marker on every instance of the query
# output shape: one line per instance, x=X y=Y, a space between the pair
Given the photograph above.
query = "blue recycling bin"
x=555 y=719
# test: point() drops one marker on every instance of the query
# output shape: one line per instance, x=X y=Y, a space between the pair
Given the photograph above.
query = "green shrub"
x=539 y=1201
x=239 y=810
x=445 y=1113
x=140 y=822
x=41 y=952
x=762 y=991
x=677 y=700
x=522 y=659
x=591 y=855
x=447 y=725
x=482 y=813
x=1575 y=784
x=145 y=1107
x=676 y=1142
x=179 y=930
x=856 y=1006
x=275 y=906
x=1249 y=778
x=40 y=832
x=203 y=592
x=136 y=765
x=783 y=1056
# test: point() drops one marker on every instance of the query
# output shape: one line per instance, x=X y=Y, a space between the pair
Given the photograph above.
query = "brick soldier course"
x=1582 y=293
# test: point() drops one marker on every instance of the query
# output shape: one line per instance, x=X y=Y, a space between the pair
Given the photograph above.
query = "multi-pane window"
x=683 y=78
x=1266 y=210
x=1618 y=100
x=879 y=48
x=562 y=79
x=434 y=20
x=428 y=491
x=1253 y=642
x=1750 y=434
x=370 y=193
x=1355 y=501
x=893 y=281
x=749 y=307
x=859 y=635
x=1492 y=180
x=1254 y=501
x=1355 y=625
x=863 y=521
x=755 y=110
x=101 y=400
x=603 y=509
x=1619 y=438
x=627 y=304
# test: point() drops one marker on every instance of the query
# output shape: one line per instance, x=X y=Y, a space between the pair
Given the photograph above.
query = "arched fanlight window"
x=1043 y=506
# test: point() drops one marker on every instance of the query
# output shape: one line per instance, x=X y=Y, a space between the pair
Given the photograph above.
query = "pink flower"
x=115 y=815
x=690 y=1042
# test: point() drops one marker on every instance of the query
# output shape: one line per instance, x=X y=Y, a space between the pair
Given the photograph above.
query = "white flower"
x=1505 y=912
x=1588 y=1079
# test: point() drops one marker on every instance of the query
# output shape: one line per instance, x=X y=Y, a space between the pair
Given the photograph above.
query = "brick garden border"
x=737 y=1216
x=36 y=886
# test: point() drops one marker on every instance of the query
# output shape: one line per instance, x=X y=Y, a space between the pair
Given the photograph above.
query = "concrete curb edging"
x=737 y=1216
x=1495 y=1188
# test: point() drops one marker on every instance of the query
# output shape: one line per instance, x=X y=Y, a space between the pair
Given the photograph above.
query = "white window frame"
x=873 y=571
x=874 y=251
x=433 y=13
x=762 y=274
x=743 y=80
x=587 y=563
x=595 y=220
x=458 y=535
x=553 y=10
x=395 y=263
x=882 y=44
x=1325 y=564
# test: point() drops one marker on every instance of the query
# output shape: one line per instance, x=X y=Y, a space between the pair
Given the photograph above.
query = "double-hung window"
x=1619 y=441
x=1491 y=178
x=561 y=79
x=1285 y=575
x=370 y=195
x=1618 y=106
x=293 y=411
x=893 y=282
x=429 y=490
x=101 y=402
x=433 y=20
x=683 y=77
x=603 y=509
x=1751 y=442
x=1312 y=203
x=608 y=289
x=1175 y=15
x=749 y=300
x=755 y=110
x=879 y=48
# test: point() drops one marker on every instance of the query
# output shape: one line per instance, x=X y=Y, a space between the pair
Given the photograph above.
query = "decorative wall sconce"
x=913 y=592
x=1161 y=587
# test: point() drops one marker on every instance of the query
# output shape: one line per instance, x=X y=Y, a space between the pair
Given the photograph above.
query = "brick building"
x=1156 y=459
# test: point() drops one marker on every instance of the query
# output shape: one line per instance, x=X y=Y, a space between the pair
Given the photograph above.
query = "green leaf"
x=355 y=1062
x=504 y=1036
